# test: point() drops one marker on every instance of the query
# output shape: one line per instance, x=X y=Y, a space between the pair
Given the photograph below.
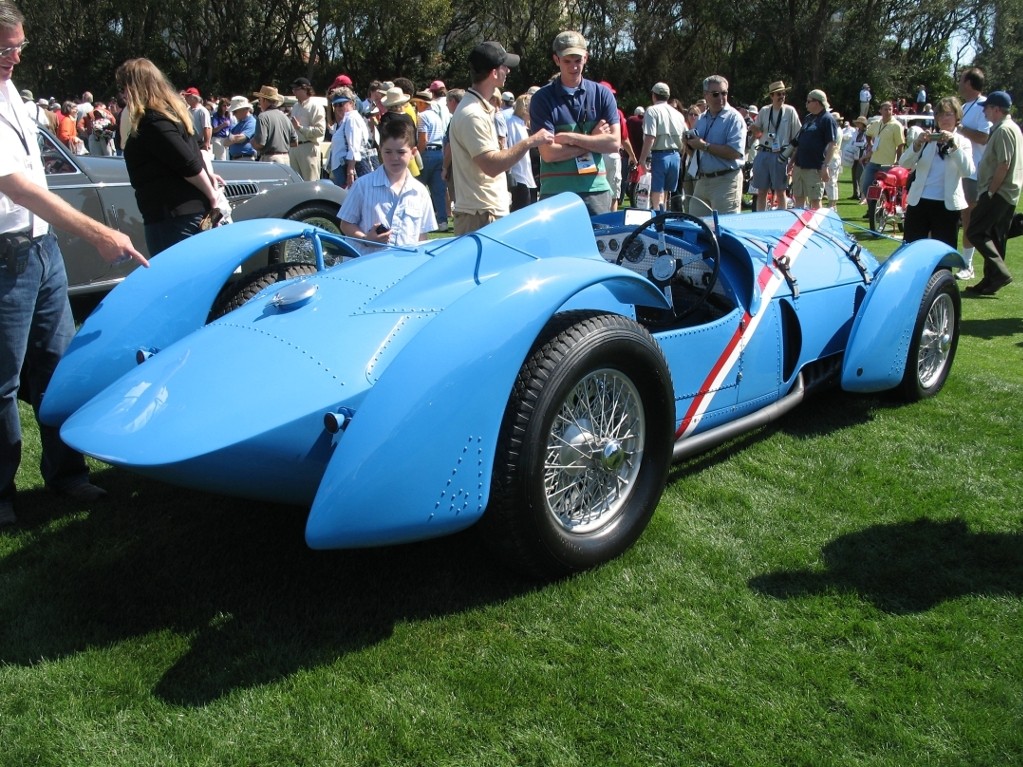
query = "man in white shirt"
x=975 y=127
x=34 y=284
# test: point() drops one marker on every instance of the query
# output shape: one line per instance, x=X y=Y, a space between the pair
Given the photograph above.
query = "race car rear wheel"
x=239 y=293
x=935 y=338
x=584 y=448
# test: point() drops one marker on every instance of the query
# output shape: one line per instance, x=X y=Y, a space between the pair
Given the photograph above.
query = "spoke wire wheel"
x=933 y=354
x=935 y=338
x=584 y=447
x=594 y=451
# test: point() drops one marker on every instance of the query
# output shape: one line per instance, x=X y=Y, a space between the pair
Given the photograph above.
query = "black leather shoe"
x=992 y=287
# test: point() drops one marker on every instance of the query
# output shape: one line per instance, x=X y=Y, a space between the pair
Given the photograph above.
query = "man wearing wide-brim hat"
x=775 y=127
x=239 y=140
x=274 y=131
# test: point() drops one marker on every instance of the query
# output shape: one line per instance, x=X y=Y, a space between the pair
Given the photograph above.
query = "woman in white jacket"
x=942 y=160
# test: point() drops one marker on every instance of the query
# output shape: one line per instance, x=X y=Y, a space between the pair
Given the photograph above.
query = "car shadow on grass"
x=232 y=581
x=990 y=329
x=908 y=567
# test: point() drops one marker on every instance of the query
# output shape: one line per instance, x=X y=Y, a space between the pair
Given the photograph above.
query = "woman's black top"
x=159 y=159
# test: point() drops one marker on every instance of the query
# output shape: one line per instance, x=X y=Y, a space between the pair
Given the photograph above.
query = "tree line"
x=234 y=47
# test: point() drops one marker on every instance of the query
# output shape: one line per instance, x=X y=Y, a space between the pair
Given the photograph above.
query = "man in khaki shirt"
x=999 y=178
x=310 y=123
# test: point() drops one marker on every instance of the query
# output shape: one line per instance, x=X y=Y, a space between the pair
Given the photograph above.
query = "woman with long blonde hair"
x=173 y=189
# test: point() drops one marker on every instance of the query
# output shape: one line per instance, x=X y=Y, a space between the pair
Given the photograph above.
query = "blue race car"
x=538 y=376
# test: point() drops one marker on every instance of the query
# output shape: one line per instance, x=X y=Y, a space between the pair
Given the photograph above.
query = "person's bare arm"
x=111 y=244
x=494 y=163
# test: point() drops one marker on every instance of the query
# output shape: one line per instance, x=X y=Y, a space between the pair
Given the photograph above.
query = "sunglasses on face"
x=716 y=94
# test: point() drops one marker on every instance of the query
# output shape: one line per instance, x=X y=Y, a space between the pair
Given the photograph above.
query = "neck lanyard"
x=20 y=134
x=569 y=99
x=777 y=125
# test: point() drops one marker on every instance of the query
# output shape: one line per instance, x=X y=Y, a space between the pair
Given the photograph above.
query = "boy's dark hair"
x=405 y=84
x=400 y=127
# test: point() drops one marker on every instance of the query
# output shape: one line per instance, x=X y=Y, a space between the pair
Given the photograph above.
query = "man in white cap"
x=583 y=115
x=239 y=139
x=664 y=130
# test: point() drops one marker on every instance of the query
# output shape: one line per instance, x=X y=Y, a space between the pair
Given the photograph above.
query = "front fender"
x=152 y=308
x=875 y=358
x=416 y=459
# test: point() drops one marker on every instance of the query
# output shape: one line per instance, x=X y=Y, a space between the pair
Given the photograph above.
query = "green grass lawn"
x=842 y=588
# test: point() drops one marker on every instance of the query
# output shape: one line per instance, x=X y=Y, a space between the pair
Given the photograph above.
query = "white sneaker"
x=965 y=274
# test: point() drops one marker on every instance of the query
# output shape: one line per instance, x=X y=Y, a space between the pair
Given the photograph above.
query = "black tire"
x=935 y=339
x=879 y=219
x=300 y=251
x=238 y=293
x=569 y=494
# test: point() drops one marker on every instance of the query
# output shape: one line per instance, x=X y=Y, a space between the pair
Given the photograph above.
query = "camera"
x=788 y=151
x=767 y=143
x=689 y=134
x=381 y=228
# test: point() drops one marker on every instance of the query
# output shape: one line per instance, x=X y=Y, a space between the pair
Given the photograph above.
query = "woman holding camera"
x=942 y=160
x=173 y=189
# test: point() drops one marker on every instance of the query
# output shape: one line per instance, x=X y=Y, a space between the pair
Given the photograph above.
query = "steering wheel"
x=677 y=270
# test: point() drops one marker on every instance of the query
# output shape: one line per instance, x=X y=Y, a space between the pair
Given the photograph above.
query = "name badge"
x=585 y=163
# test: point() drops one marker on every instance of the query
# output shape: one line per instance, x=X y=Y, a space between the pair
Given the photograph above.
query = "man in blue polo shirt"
x=584 y=116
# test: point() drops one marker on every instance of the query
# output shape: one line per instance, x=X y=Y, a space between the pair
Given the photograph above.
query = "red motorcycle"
x=889 y=194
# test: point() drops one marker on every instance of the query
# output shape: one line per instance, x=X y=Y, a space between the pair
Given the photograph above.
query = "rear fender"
x=875 y=357
x=416 y=459
x=152 y=308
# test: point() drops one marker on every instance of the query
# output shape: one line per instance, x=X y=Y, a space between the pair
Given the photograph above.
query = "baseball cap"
x=301 y=82
x=999 y=99
x=818 y=95
x=193 y=91
x=438 y=85
x=661 y=89
x=490 y=55
x=570 y=44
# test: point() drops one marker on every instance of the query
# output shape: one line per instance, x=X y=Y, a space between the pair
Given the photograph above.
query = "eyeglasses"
x=5 y=52
x=715 y=94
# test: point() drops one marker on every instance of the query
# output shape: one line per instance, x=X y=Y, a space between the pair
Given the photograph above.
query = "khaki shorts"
x=807 y=182
x=470 y=222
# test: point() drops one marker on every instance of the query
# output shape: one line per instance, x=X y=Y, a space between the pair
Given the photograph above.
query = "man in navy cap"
x=999 y=179
x=478 y=164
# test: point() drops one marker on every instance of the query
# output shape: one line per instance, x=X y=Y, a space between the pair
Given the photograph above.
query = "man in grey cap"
x=583 y=115
x=664 y=129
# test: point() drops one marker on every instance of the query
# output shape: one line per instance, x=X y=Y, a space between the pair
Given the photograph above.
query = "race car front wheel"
x=935 y=338
x=585 y=446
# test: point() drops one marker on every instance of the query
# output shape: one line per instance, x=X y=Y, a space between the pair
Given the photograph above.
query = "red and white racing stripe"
x=790 y=244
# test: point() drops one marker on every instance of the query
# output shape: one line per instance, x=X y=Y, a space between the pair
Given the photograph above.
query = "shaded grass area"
x=842 y=587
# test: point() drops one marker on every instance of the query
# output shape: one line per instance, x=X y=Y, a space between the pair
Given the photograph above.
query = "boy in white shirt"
x=388 y=205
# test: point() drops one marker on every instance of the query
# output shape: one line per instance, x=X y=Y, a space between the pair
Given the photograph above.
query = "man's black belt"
x=717 y=173
x=663 y=151
x=434 y=146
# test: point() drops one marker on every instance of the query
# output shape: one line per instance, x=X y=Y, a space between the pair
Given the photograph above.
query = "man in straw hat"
x=274 y=131
x=775 y=126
